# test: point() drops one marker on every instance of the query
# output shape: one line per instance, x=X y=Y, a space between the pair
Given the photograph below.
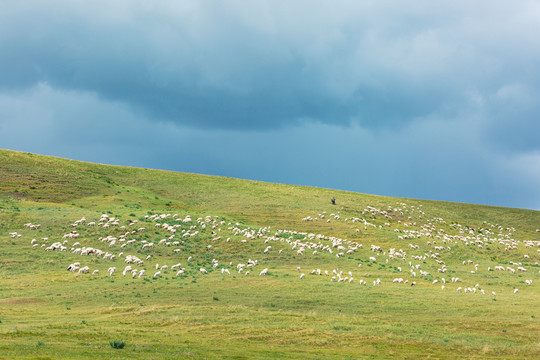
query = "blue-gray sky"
x=423 y=99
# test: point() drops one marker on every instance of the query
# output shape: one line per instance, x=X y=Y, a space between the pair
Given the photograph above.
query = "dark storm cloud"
x=238 y=65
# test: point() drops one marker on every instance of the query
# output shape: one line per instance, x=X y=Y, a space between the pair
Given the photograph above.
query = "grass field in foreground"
x=49 y=312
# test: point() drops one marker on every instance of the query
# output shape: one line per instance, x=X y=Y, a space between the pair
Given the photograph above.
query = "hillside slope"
x=254 y=270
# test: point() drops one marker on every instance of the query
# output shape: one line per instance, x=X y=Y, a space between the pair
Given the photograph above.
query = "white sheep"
x=127 y=268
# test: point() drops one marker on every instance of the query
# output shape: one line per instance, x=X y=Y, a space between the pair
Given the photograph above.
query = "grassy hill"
x=49 y=312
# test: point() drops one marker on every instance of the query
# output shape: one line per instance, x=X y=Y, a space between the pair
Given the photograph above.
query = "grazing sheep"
x=73 y=267
x=127 y=268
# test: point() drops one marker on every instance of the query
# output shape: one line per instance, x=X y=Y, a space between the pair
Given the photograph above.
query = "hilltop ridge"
x=52 y=179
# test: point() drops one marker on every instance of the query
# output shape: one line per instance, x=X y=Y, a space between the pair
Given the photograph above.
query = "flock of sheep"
x=439 y=243
x=421 y=259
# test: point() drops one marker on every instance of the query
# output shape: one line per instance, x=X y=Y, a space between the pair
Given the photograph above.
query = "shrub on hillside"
x=117 y=344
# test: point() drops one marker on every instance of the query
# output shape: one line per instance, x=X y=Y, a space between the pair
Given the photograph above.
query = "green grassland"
x=47 y=312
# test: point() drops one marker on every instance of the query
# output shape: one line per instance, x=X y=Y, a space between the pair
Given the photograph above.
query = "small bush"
x=40 y=343
x=117 y=344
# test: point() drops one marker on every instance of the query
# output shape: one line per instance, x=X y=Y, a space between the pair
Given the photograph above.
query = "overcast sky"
x=422 y=99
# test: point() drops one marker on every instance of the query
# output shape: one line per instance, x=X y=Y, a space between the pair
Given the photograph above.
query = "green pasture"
x=47 y=312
